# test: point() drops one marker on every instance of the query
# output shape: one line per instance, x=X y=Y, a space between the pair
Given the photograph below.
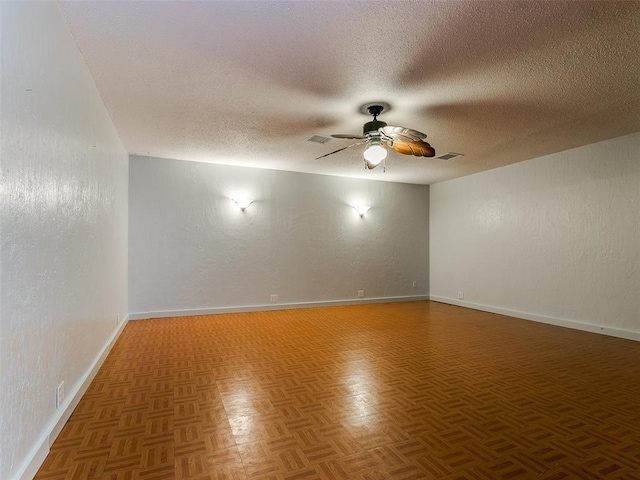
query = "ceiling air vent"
x=319 y=139
x=449 y=156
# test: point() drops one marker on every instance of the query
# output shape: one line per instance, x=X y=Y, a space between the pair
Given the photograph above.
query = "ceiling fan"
x=378 y=136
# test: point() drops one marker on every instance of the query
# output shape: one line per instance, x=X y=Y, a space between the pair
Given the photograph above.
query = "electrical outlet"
x=460 y=295
x=414 y=284
x=274 y=298
x=360 y=293
x=59 y=394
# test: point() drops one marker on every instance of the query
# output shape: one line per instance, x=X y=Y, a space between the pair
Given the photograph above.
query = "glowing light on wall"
x=361 y=209
x=243 y=203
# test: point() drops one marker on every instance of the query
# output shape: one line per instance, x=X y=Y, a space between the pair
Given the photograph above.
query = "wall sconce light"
x=361 y=209
x=242 y=202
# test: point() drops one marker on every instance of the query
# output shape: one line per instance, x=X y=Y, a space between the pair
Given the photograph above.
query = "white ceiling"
x=248 y=82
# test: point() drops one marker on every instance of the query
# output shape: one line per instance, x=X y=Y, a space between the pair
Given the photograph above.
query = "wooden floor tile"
x=415 y=390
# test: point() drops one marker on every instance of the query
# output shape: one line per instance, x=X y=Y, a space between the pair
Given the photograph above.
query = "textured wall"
x=191 y=247
x=63 y=227
x=556 y=236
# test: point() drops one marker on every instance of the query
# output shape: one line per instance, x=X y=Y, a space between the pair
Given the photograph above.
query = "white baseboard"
x=559 y=322
x=271 y=306
x=39 y=452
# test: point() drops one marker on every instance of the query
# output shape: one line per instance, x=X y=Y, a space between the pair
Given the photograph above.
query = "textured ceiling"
x=248 y=82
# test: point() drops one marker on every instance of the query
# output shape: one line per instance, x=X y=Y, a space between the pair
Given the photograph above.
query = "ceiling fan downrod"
x=373 y=126
x=375 y=110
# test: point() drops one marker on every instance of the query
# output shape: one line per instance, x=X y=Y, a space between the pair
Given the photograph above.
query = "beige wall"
x=555 y=239
x=192 y=250
x=63 y=230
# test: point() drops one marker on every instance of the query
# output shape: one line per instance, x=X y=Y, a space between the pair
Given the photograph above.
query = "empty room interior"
x=320 y=239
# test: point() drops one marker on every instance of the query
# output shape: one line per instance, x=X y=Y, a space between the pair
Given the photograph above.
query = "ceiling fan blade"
x=418 y=148
x=348 y=135
x=402 y=134
x=339 y=150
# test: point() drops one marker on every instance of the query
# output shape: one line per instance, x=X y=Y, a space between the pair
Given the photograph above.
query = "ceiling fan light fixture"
x=374 y=154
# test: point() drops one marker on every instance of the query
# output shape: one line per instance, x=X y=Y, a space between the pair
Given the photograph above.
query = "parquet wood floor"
x=390 y=391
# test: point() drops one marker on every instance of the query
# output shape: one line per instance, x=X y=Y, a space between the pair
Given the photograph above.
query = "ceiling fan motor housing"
x=373 y=126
